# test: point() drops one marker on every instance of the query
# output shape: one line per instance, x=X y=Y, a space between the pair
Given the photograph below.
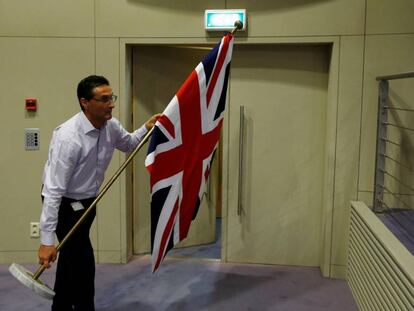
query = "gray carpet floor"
x=194 y=284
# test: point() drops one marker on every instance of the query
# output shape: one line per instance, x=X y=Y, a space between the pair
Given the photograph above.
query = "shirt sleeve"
x=62 y=160
x=126 y=141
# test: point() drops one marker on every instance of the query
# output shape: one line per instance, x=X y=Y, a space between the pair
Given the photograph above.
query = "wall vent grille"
x=380 y=269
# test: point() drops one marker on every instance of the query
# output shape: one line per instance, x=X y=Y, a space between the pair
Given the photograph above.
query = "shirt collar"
x=85 y=124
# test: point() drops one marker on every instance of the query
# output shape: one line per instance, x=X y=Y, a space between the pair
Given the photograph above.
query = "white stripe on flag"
x=166 y=211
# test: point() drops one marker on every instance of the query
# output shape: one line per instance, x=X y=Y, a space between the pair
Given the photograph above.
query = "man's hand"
x=47 y=254
x=151 y=121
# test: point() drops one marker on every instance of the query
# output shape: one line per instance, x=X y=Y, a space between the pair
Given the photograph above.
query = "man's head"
x=96 y=99
x=87 y=85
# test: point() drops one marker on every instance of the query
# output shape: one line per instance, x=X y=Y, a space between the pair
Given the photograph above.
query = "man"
x=79 y=153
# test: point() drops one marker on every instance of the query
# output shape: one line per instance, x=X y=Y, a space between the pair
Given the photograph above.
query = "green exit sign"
x=219 y=20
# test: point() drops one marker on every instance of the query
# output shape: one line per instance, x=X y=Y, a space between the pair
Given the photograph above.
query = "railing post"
x=381 y=146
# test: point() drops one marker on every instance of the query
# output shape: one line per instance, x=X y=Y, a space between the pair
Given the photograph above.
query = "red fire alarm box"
x=31 y=104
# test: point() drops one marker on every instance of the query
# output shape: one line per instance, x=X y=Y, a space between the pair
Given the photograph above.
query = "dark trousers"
x=75 y=274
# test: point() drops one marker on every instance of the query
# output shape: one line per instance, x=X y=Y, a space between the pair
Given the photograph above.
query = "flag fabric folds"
x=182 y=147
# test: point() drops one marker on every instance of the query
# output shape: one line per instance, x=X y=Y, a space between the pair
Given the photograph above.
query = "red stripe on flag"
x=167 y=125
x=217 y=68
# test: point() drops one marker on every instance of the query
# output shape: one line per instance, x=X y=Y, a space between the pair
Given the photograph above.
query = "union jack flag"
x=182 y=147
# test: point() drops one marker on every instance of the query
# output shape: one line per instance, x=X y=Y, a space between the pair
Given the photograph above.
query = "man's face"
x=99 y=108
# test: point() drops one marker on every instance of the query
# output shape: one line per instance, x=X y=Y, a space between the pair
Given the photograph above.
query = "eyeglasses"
x=107 y=98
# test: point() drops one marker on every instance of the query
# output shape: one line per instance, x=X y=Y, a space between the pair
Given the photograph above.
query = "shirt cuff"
x=47 y=238
x=142 y=130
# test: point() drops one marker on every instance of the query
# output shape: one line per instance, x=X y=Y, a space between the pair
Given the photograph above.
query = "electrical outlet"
x=34 y=230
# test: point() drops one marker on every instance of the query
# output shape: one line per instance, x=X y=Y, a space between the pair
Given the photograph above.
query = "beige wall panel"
x=107 y=64
x=303 y=17
x=108 y=257
x=63 y=18
x=109 y=208
x=22 y=256
x=147 y=18
x=384 y=16
x=366 y=197
x=347 y=144
x=384 y=55
x=50 y=72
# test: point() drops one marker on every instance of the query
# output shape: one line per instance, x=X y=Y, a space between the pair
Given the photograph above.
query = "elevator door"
x=158 y=72
x=274 y=213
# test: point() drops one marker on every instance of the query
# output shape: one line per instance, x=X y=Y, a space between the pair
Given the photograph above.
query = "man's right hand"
x=47 y=254
x=151 y=121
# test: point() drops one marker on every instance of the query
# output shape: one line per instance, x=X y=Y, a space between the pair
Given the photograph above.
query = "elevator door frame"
x=126 y=47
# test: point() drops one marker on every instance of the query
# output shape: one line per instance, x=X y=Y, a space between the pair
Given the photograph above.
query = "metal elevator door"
x=274 y=213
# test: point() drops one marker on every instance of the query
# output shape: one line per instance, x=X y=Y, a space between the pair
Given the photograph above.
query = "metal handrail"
x=383 y=140
x=396 y=76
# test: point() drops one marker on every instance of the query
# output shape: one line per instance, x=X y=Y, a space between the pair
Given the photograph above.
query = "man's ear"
x=84 y=103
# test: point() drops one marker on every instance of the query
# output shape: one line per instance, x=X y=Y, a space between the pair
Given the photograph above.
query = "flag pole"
x=237 y=25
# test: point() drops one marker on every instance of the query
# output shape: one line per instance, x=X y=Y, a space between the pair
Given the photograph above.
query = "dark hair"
x=86 y=86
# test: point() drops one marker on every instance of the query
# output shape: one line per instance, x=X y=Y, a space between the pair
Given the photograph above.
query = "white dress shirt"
x=79 y=154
